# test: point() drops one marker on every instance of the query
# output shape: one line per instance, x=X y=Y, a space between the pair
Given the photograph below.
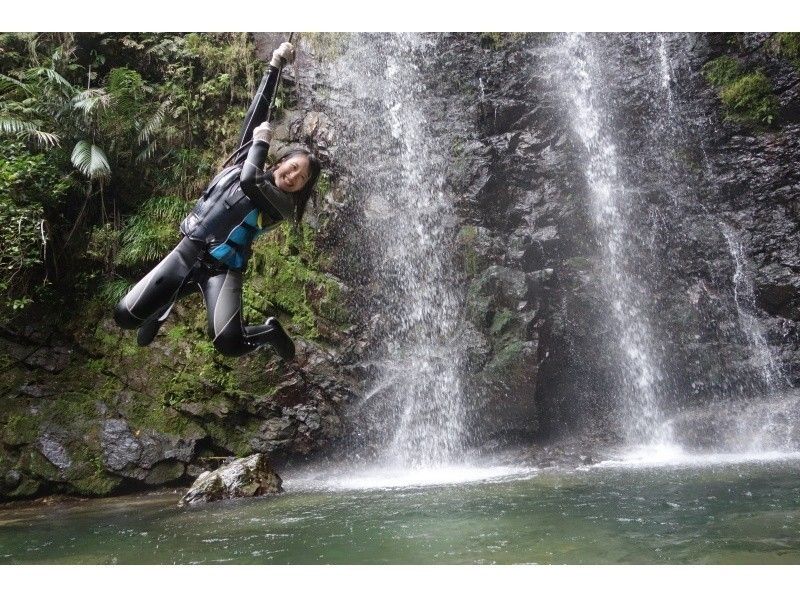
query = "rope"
x=247 y=145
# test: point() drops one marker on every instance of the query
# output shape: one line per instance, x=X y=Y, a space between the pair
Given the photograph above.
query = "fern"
x=152 y=232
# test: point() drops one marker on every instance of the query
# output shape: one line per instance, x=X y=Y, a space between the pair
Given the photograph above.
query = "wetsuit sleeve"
x=259 y=107
x=266 y=196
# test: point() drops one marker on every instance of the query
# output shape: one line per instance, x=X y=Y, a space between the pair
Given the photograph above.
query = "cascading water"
x=754 y=410
x=744 y=296
x=639 y=375
x=413 y=413
x=643 y=195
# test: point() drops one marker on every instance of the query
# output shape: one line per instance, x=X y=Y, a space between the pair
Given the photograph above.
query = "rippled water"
x=717 y=513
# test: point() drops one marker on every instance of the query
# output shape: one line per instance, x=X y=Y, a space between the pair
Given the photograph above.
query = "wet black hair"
x=302 y=196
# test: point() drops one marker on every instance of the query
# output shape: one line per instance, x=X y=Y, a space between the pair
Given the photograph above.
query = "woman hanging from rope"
x=241 y=203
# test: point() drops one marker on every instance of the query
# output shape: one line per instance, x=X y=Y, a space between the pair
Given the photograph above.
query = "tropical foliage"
x=105 y=140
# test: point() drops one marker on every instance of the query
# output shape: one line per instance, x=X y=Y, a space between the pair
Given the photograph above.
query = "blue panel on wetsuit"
x=242 y=237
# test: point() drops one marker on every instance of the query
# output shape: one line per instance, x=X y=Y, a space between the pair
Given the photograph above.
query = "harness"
x=226 y=220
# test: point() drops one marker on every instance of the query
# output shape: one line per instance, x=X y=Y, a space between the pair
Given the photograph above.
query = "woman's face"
x=292 y=174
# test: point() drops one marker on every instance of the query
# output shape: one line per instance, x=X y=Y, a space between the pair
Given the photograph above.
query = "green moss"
x=323 y=185
x=787 y=45
x=235 y=439
x=750 y=99
x=507 y=357
x=21 y=429
x=39 y=466
x=492 y=39
x=501 y=320
x=471 y=260
x=149 y=415
x=747 y=97
x=287 y=280
x=97 y=484
x=722 y=71
x=70 y=408
x=26 y=489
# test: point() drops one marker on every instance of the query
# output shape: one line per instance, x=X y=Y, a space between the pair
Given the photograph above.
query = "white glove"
x=283 y=55
x=263 y=132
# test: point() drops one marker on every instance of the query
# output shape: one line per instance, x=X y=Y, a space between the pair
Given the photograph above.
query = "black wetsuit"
x=190 y=266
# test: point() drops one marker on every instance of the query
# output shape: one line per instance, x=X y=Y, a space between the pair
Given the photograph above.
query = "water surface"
x=716 y=513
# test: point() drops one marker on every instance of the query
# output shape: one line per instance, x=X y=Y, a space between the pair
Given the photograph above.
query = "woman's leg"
x=222 y=291
x=159 y=288
x=149 y=329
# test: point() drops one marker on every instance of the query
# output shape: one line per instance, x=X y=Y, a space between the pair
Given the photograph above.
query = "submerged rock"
x=248 y=476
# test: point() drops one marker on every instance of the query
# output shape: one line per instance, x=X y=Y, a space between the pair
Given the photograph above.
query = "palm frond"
x=10 y=125
x=8 y=82
x=153 y=124
x=43 y=138
x=88 y=100
x=54 y=77
x=90 y=160
x=14 y=126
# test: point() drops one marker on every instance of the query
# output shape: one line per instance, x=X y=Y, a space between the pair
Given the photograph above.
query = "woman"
x=240 y=204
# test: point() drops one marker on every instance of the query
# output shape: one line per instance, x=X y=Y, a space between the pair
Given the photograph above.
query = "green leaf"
x=15 y=126
x=55 y=78
x=88 y=100
x=153 y=124
x=90 y=160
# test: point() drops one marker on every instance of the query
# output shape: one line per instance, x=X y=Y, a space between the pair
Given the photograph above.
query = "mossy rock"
x=38 y=466
x=787 y=45
x=233 y=438
x=503 y=319
x=750 y=99
x=149 y=415
x=26 y=489
x=165 y=472
x=513 y=364
x=97 y=484
x=21 y=429
x=747 y=97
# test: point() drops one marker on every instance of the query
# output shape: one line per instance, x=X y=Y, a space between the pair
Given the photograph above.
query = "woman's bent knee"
x=124 y=318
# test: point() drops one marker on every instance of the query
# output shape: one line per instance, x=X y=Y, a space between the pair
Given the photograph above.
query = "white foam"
x=675 y=456
x=376 y=478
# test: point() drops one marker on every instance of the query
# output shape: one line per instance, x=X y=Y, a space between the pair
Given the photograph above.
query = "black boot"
x=280 y=341
x=147 y=331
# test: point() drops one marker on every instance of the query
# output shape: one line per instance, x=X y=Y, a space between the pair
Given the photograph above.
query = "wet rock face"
x=150 y=457
x=541 y=357
x=249 y=476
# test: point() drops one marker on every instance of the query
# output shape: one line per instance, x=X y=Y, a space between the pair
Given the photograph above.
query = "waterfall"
x=744 y=296
x=583 y=83
x=413 y=413
x=645 y=202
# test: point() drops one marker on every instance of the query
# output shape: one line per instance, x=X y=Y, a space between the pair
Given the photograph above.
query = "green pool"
x=709 y=513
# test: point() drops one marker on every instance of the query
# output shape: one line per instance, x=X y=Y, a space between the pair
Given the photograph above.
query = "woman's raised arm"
x=259 y=107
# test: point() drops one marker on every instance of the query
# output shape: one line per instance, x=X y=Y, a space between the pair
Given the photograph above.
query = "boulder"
x=248 y=476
